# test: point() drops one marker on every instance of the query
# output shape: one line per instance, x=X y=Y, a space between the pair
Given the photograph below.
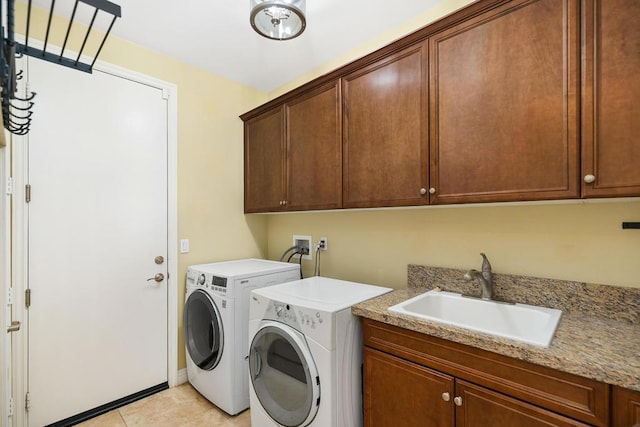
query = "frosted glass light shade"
x=278 y=19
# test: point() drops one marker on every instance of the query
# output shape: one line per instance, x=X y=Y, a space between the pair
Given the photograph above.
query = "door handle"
x=158 y=277
x=15 y=327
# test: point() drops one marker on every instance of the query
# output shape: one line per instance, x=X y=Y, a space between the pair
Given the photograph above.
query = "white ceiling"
x=216 y=35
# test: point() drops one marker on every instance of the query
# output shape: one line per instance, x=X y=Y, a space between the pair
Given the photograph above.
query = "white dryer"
x=305 y=353
x=215 y=321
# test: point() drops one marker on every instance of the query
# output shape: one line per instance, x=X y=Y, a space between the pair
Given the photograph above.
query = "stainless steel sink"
x=521 y=322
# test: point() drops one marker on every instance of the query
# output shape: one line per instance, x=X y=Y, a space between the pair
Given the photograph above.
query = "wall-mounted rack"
x=16 y=111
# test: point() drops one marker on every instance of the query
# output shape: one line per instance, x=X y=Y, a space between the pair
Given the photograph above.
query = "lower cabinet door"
x=401 y=393
x=626 y=407
x=479 y=406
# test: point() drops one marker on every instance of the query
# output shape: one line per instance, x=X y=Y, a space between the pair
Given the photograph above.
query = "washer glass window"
x=202 y=327
x=284 y=376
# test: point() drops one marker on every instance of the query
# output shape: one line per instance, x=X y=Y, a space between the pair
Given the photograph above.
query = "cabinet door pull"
x=589 y=178
x=423 y=191
x=457 y=400
x=446 y=396
x=432 y=190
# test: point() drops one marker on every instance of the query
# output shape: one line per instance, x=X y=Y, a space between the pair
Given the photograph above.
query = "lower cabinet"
x=399 y=390
x=412 y=379
x=626 y=408
x=395 y=390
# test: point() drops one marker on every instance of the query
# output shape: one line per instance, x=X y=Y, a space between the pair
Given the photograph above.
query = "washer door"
x=203 y=332
x=284 y=375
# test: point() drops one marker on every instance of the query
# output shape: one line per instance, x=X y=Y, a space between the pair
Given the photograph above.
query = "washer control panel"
x=207 y=281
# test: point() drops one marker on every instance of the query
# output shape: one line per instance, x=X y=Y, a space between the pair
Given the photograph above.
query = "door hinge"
x=9 y=189
x=165 y=93
x=10 y=407
x=27 y=193
x=27 y=402
x=27 y=298
x=9 y=296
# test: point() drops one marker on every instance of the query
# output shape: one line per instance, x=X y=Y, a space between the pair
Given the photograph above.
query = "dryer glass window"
x=202 y=327
x=284 y=376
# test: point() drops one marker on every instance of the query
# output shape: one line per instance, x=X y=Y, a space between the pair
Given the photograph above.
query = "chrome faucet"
x=484 y=277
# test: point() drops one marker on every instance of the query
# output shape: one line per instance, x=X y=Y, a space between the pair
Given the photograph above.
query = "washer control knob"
x=201 y=279
x=279 y=309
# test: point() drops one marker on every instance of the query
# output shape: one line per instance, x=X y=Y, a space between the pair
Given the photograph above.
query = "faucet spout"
x=485 y=278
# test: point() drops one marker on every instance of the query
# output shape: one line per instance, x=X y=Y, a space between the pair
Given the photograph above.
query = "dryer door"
x=203 y=332
x=284 y=375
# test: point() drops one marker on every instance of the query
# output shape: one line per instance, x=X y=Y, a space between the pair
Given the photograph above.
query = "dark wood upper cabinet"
x=264 y=162
x=385 y=131
x=293 y=154
x=501 y=101
x=611 y=98
x=314 y=150
x=504 y=105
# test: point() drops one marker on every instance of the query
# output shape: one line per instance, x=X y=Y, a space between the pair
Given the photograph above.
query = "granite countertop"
x=591 y=341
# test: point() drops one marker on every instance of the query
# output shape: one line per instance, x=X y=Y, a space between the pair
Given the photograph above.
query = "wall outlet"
x=305 y=243
x=324 y=244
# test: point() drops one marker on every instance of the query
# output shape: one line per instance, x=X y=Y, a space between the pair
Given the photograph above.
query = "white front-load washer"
x=215 y=325
x=305 y=353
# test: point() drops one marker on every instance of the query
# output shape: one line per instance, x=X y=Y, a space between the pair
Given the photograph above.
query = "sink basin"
x=521 y=322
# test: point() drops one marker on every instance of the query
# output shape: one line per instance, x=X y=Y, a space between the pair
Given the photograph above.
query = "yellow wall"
x=210 y=154
x=582 y=242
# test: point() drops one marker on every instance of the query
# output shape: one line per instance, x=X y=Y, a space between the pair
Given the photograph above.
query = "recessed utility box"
x=305 y=243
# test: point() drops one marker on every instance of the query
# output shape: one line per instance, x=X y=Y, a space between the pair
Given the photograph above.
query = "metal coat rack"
x=16 y=111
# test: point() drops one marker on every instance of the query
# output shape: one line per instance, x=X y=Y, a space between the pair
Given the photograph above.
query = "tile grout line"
x=122 y=418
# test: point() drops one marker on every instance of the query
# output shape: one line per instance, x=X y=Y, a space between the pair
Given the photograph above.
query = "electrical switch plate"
x=304 y=242
x=184 y=246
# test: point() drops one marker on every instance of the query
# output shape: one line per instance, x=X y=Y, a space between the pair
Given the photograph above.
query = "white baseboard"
x=182 y=376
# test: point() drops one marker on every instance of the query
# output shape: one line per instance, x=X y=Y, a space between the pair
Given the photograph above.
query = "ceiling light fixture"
x=278 y=19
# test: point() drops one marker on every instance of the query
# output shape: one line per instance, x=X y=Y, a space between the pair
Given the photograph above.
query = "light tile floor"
x=180 y=406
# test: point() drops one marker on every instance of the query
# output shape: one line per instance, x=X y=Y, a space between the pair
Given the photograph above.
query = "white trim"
x=19 y=238
x=5 y=283
x=21 y=220
x=182 y=376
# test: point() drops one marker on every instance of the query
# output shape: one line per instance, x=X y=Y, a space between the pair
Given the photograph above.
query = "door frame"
x=20 y=236
x=5 y=282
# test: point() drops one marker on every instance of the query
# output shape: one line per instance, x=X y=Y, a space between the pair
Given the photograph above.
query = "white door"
x=97 y=221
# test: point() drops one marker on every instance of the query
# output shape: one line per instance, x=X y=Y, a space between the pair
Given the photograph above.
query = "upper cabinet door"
x=314 y=150
x=264 y=162
x=504 y=104
x=611 y=98
x=385 y=131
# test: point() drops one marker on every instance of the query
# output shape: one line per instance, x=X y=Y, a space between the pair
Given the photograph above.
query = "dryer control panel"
x=313 y=323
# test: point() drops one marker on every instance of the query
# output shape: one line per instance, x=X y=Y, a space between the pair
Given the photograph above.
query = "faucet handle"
x=486 y=265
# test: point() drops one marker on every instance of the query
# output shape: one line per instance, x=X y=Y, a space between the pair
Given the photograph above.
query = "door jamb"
x=6 y=387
